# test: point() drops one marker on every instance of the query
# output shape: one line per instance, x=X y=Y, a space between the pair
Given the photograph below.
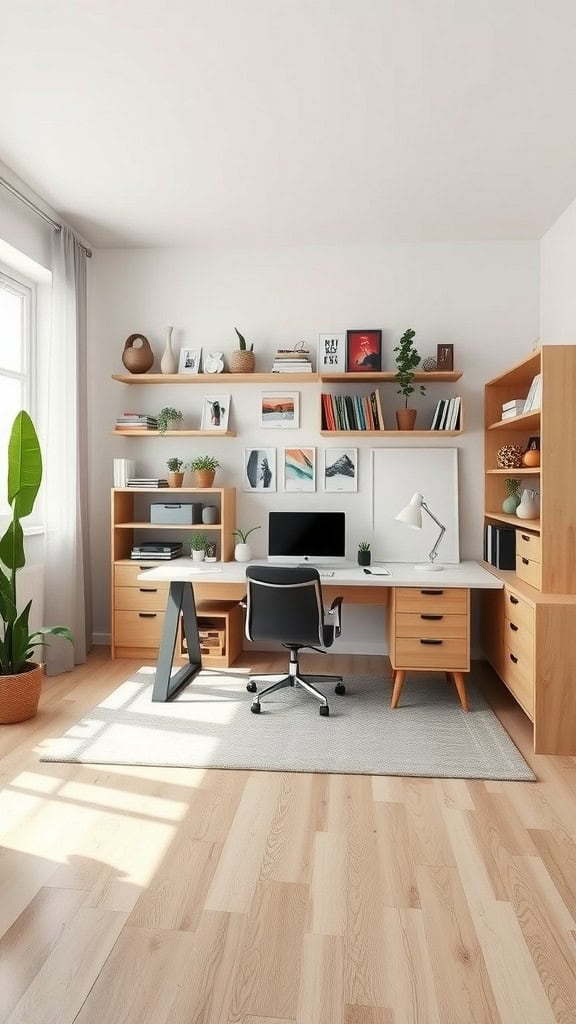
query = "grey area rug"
x=210 y=725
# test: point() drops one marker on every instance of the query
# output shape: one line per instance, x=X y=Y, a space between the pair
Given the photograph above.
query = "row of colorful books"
x=447 y=414
x=352 y=412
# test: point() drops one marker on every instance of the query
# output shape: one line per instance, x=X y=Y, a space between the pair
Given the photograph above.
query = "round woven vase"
x=20 y=694
x=242 y=361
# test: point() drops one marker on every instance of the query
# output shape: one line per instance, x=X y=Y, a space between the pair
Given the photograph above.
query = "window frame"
x=19 y=284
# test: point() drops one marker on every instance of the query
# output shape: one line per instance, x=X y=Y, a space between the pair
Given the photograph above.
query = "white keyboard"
x=323 y=573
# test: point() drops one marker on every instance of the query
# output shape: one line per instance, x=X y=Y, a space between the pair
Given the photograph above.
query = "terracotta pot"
x=242 y=361
x=20 y=694
x=204 y=477
x=175 y=479
x=406 y=418
x=137 y=359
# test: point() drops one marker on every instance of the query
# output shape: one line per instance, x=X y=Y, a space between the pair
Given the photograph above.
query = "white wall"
x=558 y=274
x=482 y=297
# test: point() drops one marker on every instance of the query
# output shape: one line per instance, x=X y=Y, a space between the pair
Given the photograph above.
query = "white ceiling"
x=209 y=122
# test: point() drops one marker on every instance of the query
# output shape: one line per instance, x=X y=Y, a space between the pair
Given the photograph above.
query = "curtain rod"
x=39 y=213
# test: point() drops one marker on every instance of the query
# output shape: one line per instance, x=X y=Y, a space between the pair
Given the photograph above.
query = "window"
x=17 y=331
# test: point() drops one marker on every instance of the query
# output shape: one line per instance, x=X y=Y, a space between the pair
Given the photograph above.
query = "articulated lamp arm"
x=434 y=550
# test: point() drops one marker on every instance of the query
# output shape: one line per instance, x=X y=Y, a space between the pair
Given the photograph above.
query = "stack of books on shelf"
x=500 y=546
x=352 y=412
x=136 y=421
x=534 y=397
x=156 y=551
x=123 y=470
x=515 y=407
x=292 y=360
x=447 y=414
x=146 y=481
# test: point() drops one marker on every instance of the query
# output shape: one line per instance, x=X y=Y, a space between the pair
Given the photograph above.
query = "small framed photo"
x=215 y=412
x=280 y=409
x=260 y=469
x=340 y=469
x=299 y=469
x=332 y=353
x=189 y=361
x=363 y=351
x=533 y=444
x=445 y=357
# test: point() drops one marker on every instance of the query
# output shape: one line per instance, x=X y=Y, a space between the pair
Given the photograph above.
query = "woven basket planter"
x=20 y=694
x=242 y=361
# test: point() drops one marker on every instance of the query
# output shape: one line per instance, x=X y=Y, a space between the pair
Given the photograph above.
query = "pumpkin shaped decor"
x=509 y=456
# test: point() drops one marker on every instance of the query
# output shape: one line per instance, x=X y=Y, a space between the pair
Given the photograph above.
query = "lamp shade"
x=412 y=514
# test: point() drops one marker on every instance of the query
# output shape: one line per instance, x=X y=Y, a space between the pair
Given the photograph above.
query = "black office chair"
x=285 y=604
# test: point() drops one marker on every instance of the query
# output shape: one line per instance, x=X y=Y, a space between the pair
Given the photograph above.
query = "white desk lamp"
x=412 y=516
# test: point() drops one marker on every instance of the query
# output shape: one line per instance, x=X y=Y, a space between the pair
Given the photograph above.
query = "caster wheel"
x=324 y=710
x=251 y=687
x=255 y=709
x=340 y=689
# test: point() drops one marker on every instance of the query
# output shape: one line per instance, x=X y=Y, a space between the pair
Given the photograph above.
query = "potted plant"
x=243 y=360
x=168 y=417
x=364 y=553
x=204 y=468
x=175 y=473
x=242 y=551
x=407 y=360
x=198 y=545
x=20 y=678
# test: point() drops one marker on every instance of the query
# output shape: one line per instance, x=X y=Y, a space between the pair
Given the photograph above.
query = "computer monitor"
x=314 y=538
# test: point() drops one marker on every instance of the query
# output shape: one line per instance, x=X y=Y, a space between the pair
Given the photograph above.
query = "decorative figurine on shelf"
x=364 y=553
x=512 y=499
x=213 y=362
x=531 y=457
x=137 y=358
x=210 y=553
x=528 y=507
x=509 y=456
x=429 y=365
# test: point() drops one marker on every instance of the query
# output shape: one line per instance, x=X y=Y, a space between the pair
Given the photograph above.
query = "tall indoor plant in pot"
x=20 y=678
x=407 y=359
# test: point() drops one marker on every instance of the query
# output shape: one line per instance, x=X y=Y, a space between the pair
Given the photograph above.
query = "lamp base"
x=429 y=567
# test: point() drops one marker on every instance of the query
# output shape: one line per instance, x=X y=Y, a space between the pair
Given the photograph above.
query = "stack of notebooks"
x=515 y=407
x=447 y=415
x=292 y=360
x=136 y=421
x=146 y=481
x=156 y=551
x=352 y=412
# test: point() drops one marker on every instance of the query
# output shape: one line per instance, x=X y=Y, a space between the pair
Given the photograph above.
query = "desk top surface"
x=470 y=575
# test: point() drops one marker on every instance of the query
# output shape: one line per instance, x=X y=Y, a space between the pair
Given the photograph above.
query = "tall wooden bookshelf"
x=528 y=629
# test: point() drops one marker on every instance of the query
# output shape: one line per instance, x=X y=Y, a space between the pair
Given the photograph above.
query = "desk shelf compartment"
x=221 y=629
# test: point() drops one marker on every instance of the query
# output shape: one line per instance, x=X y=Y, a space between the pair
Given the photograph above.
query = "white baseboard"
x=101 y=639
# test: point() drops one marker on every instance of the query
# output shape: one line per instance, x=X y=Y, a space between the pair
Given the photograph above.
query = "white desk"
x=227 y=580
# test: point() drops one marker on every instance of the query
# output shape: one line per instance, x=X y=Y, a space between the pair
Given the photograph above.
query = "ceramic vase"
x=137 y=357
x=242 y=553
x=210 y=515
x=528 y=507
x=169 y=361
x=363 y=557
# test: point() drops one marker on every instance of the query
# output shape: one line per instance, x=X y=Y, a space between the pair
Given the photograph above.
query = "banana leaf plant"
x=24 y=478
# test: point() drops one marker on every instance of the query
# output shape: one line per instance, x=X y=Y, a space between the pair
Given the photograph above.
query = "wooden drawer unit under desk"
x=529 y=571
x=138 y=628
x=431 y=624
x=140 y=599
x=441 y=600
x=518 y=674
x=519 y=612
x=126 y=575
x=431 y=653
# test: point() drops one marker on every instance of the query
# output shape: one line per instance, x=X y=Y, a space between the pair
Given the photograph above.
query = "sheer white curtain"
x=63 y=386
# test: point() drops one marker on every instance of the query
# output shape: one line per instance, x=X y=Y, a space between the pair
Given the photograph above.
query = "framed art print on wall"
x=299 y=469
x=332 y=353
x=260 y=469
x=280 y=409
x=340 y=469
x=363 y=351
x=215 y=412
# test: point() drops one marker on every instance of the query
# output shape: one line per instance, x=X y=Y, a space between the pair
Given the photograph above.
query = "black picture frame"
x=533 y=444
x=364 y=351
x=444 y=357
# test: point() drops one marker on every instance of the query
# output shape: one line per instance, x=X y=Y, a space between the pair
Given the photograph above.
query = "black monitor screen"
x=307 y=536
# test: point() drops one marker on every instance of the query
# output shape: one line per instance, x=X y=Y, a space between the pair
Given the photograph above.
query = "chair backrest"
x=284 y=604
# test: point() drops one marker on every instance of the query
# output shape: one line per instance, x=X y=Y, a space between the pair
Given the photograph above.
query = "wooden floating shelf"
x=174 y=433
x=169 y=490
x=390 y=433
x=216 y=379
x=389 y=376
x=167 y=526
x=524 y=524
x=519 y=471
x=527 y=421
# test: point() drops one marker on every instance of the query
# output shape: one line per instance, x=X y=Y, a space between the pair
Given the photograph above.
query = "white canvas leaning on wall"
x=397 y=473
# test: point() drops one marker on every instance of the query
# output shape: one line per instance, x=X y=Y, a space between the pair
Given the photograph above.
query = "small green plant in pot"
x=167 y=419
x=407 y=359
x=242 y=551
x=175 y=472
x=20 y=678
x=364 y=552
x=204 y=468
x=198 y=544
x=243 y=360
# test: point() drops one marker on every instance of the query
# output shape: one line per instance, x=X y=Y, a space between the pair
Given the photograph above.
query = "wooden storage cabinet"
x=221 y=629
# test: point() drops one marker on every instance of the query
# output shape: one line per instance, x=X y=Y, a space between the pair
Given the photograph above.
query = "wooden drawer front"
x=519 y=613
x=518 y=674
x=431 y=624
x=138 y=629
x=520 y=641
x=439 y=654
x=140 y=599
x=528 y=545
x=449 y=600
x=528 y=571
x=127 y=576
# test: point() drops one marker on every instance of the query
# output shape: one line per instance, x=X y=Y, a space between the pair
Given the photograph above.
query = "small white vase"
x=197 y=556
x=528 y=507
x=242 y=553
x=169 y=361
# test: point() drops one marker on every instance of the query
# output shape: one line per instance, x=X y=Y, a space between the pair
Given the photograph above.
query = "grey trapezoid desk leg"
x=180 y=602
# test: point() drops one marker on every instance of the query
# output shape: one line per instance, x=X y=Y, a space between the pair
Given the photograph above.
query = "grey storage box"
x=177 y=513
